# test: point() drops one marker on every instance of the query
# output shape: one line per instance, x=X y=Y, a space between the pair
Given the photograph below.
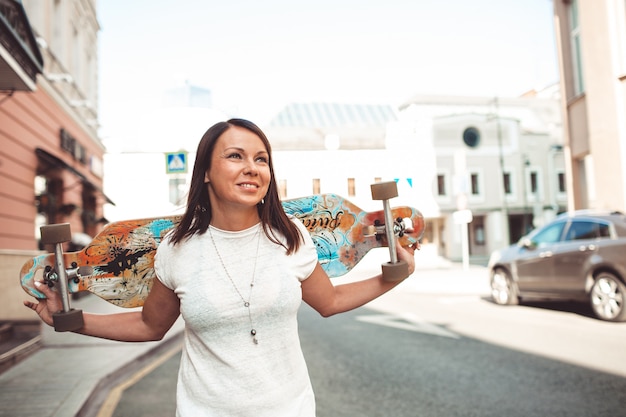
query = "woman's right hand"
x=45 y=307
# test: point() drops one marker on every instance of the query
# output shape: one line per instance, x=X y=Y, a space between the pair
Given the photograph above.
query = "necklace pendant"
x=254 y=339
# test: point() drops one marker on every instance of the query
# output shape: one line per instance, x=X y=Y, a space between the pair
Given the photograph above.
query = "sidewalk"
x=70 y=375
x=58 y=379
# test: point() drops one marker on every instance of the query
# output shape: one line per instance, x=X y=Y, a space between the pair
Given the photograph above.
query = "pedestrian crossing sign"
x=176 y=162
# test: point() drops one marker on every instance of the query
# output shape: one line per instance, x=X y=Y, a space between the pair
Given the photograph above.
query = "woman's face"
x=240 y=172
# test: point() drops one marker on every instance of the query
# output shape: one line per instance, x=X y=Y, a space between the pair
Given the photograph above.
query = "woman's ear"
x=206 y=178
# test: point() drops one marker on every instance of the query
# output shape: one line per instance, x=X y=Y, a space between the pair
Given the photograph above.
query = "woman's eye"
x=262 y=159
x=234 y=155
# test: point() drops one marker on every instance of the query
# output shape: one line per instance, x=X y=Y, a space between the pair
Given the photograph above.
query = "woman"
x=237 y=268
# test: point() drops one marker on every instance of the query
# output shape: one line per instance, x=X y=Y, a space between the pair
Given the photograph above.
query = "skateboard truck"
x=400 y=226
x=50 y=276
x=67 y=319
x=395 y=270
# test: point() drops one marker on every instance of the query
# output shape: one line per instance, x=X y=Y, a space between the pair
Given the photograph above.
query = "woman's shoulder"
x=168 y=245
x=300 y=226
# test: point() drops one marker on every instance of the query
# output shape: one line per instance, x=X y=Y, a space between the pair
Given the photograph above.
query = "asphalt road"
x=426 y=355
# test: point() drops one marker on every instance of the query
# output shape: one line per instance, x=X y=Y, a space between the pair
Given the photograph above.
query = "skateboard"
x=118 y=264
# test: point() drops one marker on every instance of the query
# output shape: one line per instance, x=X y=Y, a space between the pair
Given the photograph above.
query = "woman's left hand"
x=408 y=255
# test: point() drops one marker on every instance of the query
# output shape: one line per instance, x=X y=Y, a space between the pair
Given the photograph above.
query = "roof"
x=334 y=115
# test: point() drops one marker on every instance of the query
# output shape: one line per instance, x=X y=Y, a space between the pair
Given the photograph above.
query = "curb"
x=100 y=395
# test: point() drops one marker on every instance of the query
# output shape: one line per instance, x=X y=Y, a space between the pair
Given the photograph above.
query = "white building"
x=500 y=158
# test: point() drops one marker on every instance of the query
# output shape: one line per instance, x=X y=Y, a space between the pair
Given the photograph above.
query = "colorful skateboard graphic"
x=118 y=264
x=343 y=233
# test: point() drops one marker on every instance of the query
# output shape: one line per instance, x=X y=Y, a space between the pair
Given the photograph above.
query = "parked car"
x=578 y=257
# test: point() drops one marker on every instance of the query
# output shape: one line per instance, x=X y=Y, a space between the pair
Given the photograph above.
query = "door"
x=571 y=256
x=535 y=263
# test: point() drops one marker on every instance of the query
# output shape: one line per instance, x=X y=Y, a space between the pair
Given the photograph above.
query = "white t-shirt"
x=222 y=371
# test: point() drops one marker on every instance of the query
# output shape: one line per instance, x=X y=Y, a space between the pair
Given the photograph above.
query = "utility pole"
x=505 y=208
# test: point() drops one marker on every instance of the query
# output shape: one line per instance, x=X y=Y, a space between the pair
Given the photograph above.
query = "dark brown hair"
x=197 y=216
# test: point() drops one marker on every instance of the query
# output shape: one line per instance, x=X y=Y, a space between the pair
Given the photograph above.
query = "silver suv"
x=579 y=256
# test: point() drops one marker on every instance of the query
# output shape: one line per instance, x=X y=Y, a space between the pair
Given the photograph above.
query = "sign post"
x=464 y=218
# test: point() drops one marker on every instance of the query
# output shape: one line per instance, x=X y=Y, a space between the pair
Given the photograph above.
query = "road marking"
x=407 y=321
x=109 y=405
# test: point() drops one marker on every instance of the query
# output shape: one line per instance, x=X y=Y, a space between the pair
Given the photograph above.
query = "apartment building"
x=591 y=43
x=51 y=159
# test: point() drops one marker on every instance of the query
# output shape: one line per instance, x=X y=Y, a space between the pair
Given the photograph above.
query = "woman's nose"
x=251 y=168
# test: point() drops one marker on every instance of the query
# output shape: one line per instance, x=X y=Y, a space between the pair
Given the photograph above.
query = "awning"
x=20 y=59
x=55 y=161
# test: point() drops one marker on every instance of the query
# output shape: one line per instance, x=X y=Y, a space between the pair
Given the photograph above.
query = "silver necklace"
x=246 y=303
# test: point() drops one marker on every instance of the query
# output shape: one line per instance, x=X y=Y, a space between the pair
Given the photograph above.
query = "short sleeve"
x=163 y=254
x=304 y=260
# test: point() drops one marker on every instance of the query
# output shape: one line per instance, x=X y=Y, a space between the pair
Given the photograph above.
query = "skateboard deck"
x=118 y=264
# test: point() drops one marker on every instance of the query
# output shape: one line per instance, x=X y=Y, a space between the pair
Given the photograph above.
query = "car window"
x=548 y=235
x=604 y=230
x=586 y=229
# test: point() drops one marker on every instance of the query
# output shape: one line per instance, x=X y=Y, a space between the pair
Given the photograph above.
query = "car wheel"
x=608 y=295
x=503 y=289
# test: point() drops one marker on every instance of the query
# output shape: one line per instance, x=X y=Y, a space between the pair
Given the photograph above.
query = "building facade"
x=51 y=159
x=501 y=159
x=497 y=160
x=591 y=44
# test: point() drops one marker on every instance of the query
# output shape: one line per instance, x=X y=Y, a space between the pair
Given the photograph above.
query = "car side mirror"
x=527 y=243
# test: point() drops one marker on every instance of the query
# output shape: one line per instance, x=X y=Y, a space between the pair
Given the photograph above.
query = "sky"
x=256 y=56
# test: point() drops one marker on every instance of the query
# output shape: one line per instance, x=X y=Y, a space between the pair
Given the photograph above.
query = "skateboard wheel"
x=56 y=233
x=384 y=190
x=393 y=272
x=67 y=321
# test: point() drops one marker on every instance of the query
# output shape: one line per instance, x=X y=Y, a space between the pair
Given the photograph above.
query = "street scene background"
x=492 y=117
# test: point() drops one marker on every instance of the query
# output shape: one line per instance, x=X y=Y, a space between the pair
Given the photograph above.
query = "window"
x=282 y=188
x=471 y=137
x=506 y=178
x=441 y=185
x=581 y=230
x=561 y=182
x=620 y=13
x=474 y=183
x=77 y=57
x=579 y=86
x=550 y=234
x=479 y=230
x=90 y=81
x=58 y=44
x=534 y=182
x=316 y=186
x=41 y=202
x=351 y=187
